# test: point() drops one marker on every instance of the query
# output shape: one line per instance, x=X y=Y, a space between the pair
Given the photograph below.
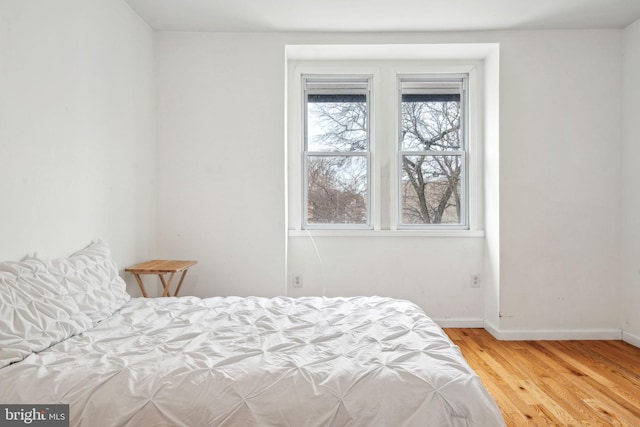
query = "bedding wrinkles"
x=362 y=361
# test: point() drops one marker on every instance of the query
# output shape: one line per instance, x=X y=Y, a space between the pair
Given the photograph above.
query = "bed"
x=70 y=334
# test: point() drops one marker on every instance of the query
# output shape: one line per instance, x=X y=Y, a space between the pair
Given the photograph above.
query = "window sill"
x=386 y=233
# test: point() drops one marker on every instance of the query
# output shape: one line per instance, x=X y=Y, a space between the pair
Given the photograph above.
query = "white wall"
x=432 y=272
x=559 y=239
x=77 y=129
x=559 y=180
x=491 y=193
x=221 y=160
x=631 y=183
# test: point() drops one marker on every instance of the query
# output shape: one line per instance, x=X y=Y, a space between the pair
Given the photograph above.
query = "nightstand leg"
x=139 y=280
x=184 y=273
x=166 y=284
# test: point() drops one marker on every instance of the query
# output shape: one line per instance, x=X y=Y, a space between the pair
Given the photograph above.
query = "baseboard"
x=552 y=334
x=460 y=323
x=489 y=327
x=542 y=334
x=629 y=338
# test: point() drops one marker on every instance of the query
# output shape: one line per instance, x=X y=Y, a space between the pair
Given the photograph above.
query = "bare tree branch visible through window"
x=431 y=151
x=431 y=182
x=337 y=184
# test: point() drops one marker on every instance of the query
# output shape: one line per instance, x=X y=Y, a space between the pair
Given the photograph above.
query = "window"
x=432 y=152
x=337 y=151
x=387 y=146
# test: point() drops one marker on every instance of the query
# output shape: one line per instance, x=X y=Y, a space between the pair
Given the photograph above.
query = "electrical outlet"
x=475 y=280
x=296 y=280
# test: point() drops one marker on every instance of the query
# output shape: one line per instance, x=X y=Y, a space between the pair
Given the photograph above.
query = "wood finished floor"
x=556 y=383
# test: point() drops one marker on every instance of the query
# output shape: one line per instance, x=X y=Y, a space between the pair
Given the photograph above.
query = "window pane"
x=431 y=187
x=337 y=122
x=431 y=122
x=337 y=190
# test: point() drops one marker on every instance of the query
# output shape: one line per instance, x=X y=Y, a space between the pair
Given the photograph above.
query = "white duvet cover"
x=365 y=361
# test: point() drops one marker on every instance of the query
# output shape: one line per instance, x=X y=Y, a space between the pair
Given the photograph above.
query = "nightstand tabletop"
x=156 y=266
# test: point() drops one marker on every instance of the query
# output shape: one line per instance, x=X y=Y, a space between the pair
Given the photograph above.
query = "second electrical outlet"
x=297 y=280
x=475 y=280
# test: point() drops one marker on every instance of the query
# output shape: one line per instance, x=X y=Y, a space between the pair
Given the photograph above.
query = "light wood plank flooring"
x=556 y=383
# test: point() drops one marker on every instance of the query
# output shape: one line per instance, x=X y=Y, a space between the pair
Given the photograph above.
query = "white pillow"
x=35 y=310
x=45 y=302
x=91 y=277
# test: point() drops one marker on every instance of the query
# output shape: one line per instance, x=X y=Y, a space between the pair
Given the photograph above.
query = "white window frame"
x=385 y=173
x=338 y=80
x=430 y=78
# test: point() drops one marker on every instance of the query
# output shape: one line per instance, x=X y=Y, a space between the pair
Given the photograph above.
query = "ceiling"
x=384 y=15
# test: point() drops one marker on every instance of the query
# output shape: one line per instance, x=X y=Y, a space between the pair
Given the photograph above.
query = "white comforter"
x=257 y=362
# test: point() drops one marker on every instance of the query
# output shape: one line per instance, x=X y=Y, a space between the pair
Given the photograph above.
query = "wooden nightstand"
x=161 y=267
